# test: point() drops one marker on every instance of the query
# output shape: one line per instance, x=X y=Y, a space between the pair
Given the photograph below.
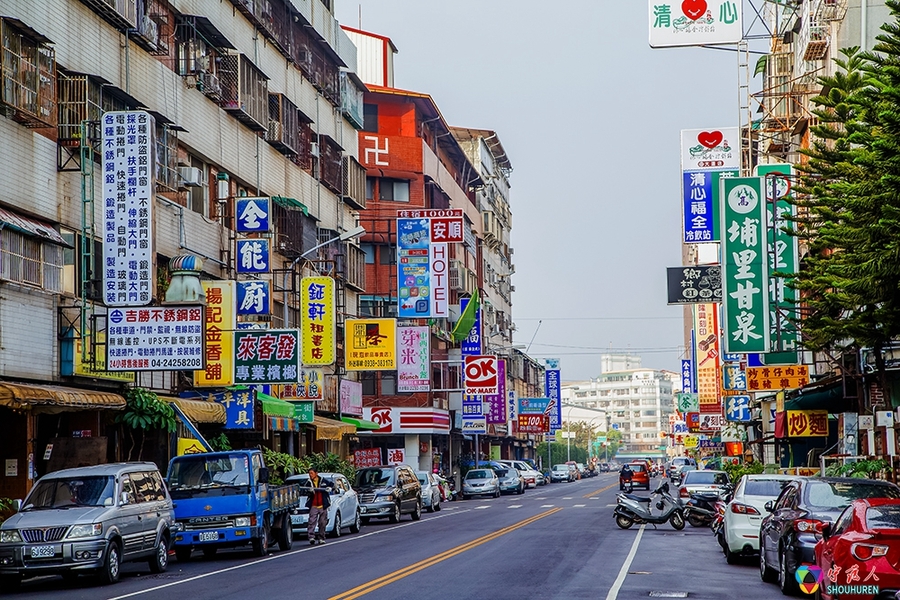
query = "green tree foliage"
x=144 y=412
x=281 y=465
x=558 y=453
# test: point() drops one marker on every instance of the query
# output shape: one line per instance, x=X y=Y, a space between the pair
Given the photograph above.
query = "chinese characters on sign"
x=707 y=156
x=733 y=376
x=413 y=349
x=495 y=404
x=687 y=376
x=687 y=403
x=238 y=408
x=371 y=344
x=744 y=266
x=252 y=256
x=423 y=263
x=219 y=334
x=553 y=391
x=318 y=321
x=694 y=22
x=762 y=379
x=711 y=422
x=706 y=349
x=533 y=423
x=253 y=297
x=310 y=386
x=807 y=423
x=267 y=356
x=351 y=398
x=129 y=187
x=694 y=285
x=155 y=339
x=737 y=408
x=396 y=456
x=370 y=457
x=472 y=344
x=252 y=215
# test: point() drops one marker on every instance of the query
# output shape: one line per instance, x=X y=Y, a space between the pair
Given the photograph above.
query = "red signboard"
x=481 y=375
x=446 y=230
x=533 y=423
x=370 y=457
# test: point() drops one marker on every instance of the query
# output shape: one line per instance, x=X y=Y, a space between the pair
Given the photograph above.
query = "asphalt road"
x=559 y=541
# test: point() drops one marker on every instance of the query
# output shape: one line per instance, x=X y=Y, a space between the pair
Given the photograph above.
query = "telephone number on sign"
x=371 y=363
x=180 y=363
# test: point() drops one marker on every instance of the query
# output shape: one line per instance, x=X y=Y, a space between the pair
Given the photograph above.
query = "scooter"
x=633 y=509
x=700 y=510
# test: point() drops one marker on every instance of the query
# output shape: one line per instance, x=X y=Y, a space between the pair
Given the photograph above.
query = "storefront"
x=415 y=436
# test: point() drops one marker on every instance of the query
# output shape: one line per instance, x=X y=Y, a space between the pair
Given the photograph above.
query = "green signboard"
x=266 y=356
x=304 y=412
x=688 y=402
x=745 y=268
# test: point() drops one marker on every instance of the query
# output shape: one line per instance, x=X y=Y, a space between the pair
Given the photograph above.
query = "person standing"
x=319 y=503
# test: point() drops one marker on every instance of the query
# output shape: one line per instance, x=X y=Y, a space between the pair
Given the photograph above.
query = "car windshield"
x=706 y=477
x=198 y=471
x=71 y=492
x=478 y=474
x=637 y=467
x=769 y=488
x=883 y=517
x=560 y=467
x=831 y=494
x=374 y=477
x=502 y=472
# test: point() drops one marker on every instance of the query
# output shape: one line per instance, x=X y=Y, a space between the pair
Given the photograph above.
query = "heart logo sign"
x=710 y=139
x=693 y=9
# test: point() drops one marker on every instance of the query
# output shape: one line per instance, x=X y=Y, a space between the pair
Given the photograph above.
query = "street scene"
x=267 y=327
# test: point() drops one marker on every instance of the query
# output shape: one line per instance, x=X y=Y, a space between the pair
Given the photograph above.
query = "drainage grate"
x=658 y=594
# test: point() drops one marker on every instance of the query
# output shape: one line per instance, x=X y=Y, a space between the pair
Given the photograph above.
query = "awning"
x=55 y=399
x=827 y=394
x=32 y=227
x=283 y=424
x=275 y=407
x=361 y=423
x=199 y=411
x=329 y=429
x=291 y=203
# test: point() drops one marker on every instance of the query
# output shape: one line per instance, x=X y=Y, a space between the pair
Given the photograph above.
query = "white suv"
x=532 y=478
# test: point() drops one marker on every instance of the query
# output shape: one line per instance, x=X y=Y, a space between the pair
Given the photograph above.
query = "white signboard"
x=694 y=22
x=472 y=425
x=129 y=166
x=396 y=456
x=159 y=338
x=711 y=422
x=440 y=278
x=481 y=375
x=715 y=149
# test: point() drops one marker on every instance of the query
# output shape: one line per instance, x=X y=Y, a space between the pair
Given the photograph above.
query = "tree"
x=144 y=412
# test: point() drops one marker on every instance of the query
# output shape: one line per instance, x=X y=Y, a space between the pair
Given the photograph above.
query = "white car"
x=532 y=478
x=431 y=491
x=344 y=507
x=746 y=511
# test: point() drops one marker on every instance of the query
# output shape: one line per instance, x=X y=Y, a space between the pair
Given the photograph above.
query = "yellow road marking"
x=612 y=485
x=375 y=584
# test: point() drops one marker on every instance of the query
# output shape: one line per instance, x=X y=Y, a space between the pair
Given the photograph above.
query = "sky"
x=590 y=117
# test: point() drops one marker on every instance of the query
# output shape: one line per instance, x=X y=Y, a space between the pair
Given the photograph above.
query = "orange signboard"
x=762 y=379
x=219 y=326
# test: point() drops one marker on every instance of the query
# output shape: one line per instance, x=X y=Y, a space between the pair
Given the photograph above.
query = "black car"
x=388 y=491
x=787 y=536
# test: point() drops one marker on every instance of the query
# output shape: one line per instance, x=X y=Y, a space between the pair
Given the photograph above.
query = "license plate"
x=208 y=536
x=42 y=551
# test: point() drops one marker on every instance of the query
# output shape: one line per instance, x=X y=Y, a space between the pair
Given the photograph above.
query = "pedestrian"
x=319 y=502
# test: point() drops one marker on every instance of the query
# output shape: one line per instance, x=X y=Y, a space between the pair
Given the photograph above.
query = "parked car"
x=677 y=467
x=388 y=491
x=511 y=480
x=745 y=512
x=640 y=476
x=89 y=520
x=702 y=482
x=787 y=536
x=532 y=476
x=561 y=473
x=481 y=482
x=343 y=512
x=867 y=534
x=604 y=467
x=431 y=491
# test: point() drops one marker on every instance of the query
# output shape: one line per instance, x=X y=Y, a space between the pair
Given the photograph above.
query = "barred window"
x=25 y=259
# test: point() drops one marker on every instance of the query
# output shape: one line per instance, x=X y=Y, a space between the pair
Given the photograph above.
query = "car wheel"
x=354 y=526
x=497 y=493
x=110 y=571
x=430 y=507
x=437 y=506
x=395 y=515
x=209 y=551
x=731 y=558
x=786 y=581
x=183 y=553
x=336 y=532
x=160 y=559
x=521 y=489
x=417 y=514
x=261 y=544
x=765 y=572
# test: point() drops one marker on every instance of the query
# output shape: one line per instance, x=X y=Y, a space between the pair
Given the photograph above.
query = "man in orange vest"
x=318 y=502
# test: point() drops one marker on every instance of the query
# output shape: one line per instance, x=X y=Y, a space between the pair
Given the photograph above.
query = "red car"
x=860 y=550
x=640 y=476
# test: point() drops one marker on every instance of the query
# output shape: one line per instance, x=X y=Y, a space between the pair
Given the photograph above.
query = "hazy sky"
x=590 y=117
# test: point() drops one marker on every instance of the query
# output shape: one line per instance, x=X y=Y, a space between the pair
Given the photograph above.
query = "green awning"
x=275 y=407
x=361 y=423
x=291 y=203
x=822 y=395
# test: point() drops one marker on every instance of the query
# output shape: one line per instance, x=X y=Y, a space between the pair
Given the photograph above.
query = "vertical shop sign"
x=239 y=408
x=252 y=256
x=707 y=156
x=553 y=391
x=495 y=404
x=318 y=322
x=706 y=351
x=414 y=363
x=219 y=334
x=129 y=187
x=253 y=297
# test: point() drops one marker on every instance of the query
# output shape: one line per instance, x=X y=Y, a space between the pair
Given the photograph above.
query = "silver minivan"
x=88 y=520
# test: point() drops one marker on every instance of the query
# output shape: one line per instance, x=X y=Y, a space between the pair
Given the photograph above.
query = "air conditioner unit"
x=190 y=176
x=314 y=149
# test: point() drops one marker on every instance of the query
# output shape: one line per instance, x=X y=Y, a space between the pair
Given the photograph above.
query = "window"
x=368 y=382
x=370 y=188
x=369 y=252
x=26 y=259
x=396 y=190
x=370 y=117
x=388 y=383
x=128 y=490
x=198 y=195
x=387 y=255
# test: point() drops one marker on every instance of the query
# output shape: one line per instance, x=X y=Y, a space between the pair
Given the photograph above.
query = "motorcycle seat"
x=638 y=498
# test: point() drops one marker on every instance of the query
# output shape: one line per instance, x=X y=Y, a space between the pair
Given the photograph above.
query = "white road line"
x=514 y=506
x=541 y=498
x=578 y=505
x=567 y=498
x=480 y=507
x=281 y=555
x=594 y=498
x=610 y=505
x=546 y=506
x=623 y=572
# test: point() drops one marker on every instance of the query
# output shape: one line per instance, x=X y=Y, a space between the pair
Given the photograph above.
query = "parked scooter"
x=633 y=509
x=700 y=510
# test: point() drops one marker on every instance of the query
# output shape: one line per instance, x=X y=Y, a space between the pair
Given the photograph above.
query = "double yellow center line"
x=375 y=584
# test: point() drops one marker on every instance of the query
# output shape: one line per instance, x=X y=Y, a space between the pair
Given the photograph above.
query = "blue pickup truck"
x=223 y=500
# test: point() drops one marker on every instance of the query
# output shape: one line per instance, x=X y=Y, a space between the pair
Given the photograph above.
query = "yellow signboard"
x=691 y=441
x=371 y=344
x=763 y=379
x=318 y=323
x=98 y=371
x=807 y=423
x=219 y=348
x=707 y=354
x=189 y=446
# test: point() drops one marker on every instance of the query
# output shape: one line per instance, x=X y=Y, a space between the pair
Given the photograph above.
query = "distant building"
x=619 y=362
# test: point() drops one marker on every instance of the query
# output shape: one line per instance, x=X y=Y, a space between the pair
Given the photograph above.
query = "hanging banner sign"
x=423 y=265
x=351 y=398
x=688 y=403
x=267 y=356
x=310 y=387
x=687 y=376
x=553 y=391
x=733 y=377
x=252 y=215
x=414 y=356
x=707 y=156
x=219 y=334
x=253 y=297
x=709 y=373
x=694 y=22
x=371 y=344
x=318 y=321
x=472 y=344
x=495 y=404
x=764 y=379
x=694 y=285
x=155 y=339
x=745 y=269
x=252 y=256
x=129 y=189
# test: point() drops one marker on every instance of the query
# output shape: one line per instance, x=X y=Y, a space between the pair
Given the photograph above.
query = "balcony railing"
x=245 y=91
x=354 y=192
x=28 y=73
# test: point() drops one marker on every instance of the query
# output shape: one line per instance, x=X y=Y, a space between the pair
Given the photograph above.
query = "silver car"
x=431 y=491
x=480 y=482
x=89 y=520
x=699 y=482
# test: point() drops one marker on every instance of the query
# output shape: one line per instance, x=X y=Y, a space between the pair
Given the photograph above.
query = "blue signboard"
x=733 y=377
x=252 y=215
x=687 y=376
x=239 y=407
x=732 y=357
x=698 y=206
x=414 y=267
x=737 y=408
x=471 y=346
x=533 y=405
x=252 y=256
x=553 y=391
x=471 y=406
x=253 y=297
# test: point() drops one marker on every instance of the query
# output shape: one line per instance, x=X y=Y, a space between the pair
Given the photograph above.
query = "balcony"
x=28 y=71
x=121 y=14
x=284 y=125
x=245 y=92
x=354 y=192
x=816 y=46
x=355 y=267
x=830 y=10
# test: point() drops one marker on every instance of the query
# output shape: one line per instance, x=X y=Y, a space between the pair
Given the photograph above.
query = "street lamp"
x=347 y=235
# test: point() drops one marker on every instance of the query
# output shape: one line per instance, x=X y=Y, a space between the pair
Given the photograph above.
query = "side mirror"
x=123 y=498
x=769 y=506
x=263 y=475
x=826 y=531
x=17 y=505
